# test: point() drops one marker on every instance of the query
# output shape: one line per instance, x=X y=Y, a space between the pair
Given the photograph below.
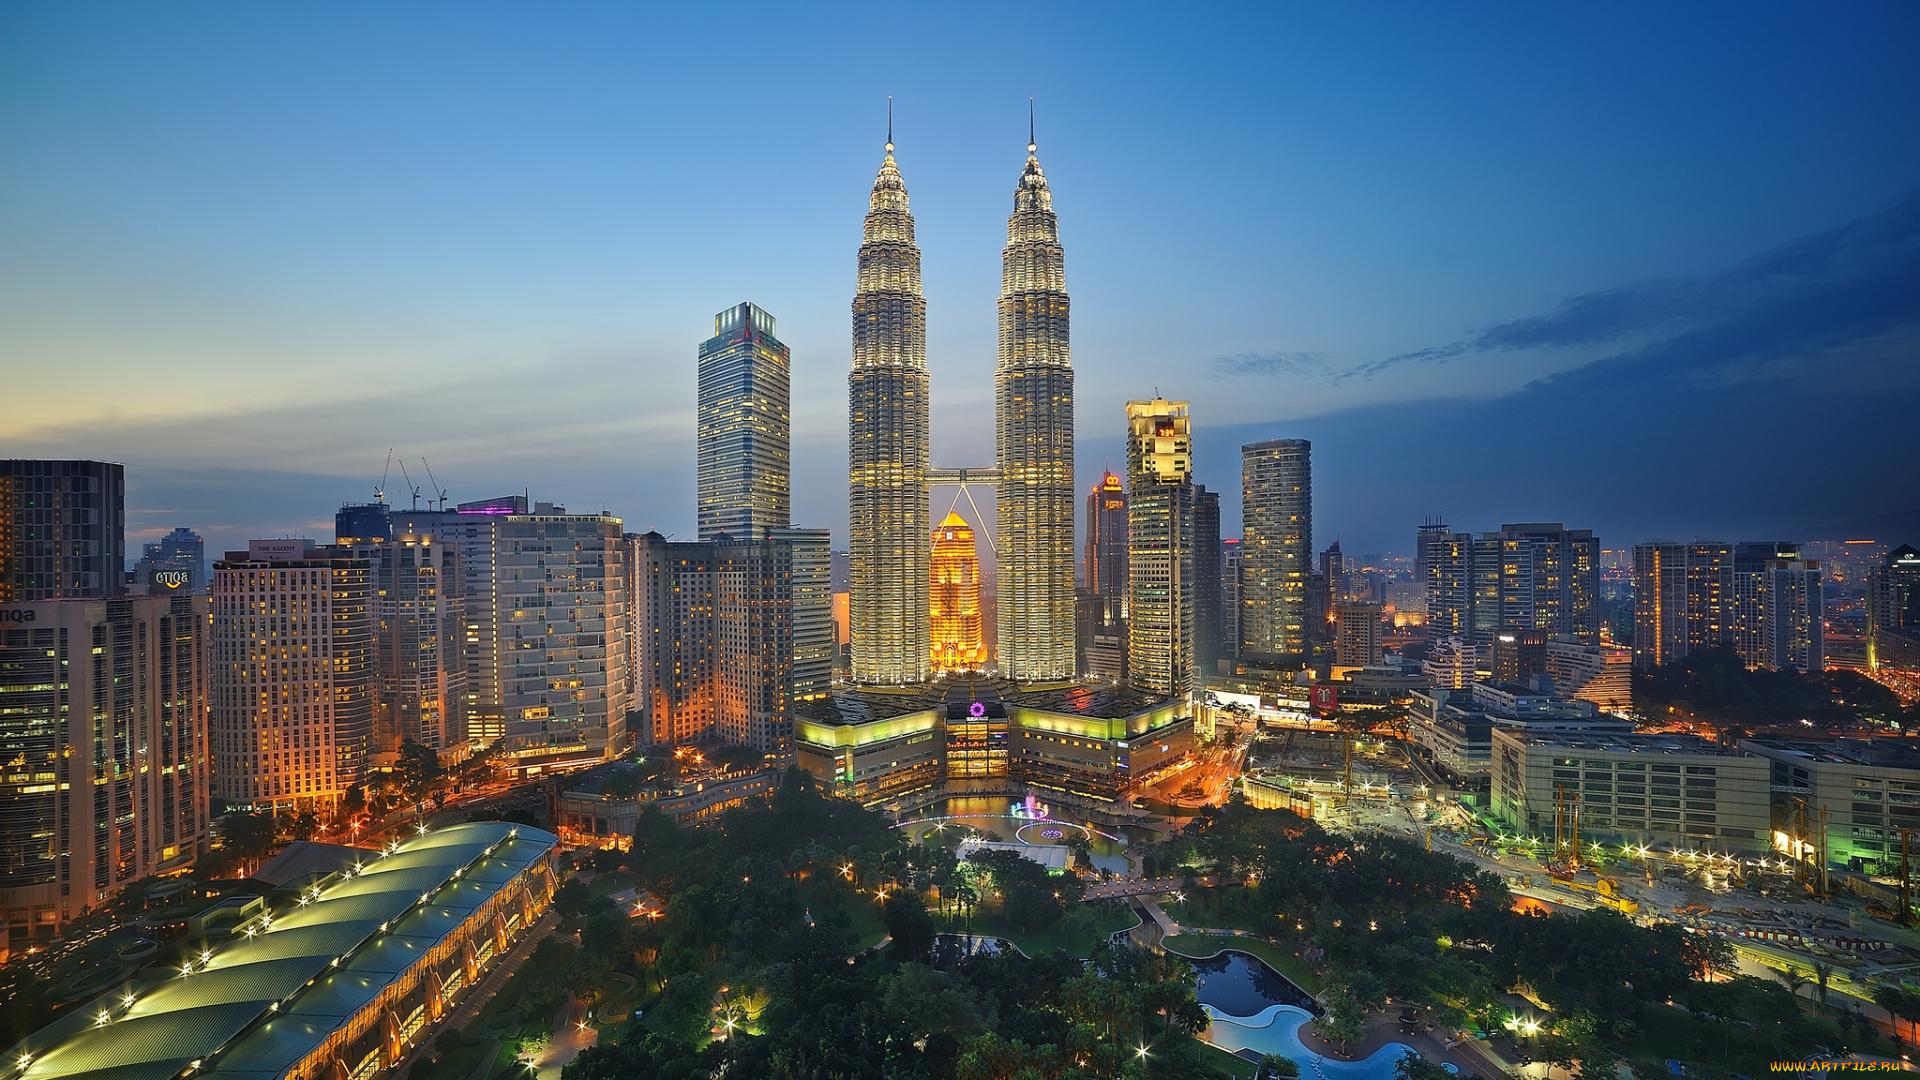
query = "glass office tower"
x=742 y=451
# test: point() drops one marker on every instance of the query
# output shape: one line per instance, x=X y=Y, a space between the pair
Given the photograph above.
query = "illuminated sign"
x=976 y=710
x=18 y=615
x=172 y=579
x=1325 y=698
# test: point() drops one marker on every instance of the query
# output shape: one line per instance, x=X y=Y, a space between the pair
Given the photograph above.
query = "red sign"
x=1326 y=698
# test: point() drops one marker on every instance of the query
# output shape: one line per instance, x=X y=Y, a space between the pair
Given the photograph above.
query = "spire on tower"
x=889 y=123
x=1032 y=145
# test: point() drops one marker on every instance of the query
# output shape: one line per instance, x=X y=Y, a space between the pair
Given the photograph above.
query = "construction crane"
x=441 y=495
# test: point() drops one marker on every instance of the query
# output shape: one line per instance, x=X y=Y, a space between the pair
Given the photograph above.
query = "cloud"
x=1299 y=364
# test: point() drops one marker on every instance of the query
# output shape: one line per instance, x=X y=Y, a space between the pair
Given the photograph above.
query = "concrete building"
x=743 y=464
x=62 y=530
x=560 y=596
x=1230 y=606
x=347 y=981
x=1893 y=610
x=715 y=629
x=180 y=554
x=473 y=530
x=1528 y=576
x=1602 y=674
x=1106 y=562
x=103 y=728
x=1757 y=599
x=1519 y=655
x=419 y=608
x=1209 y=635
x=1677 y=792
x=1455 y=726
x=813 y=632
x=1866 y=790
x=1453 y=663
x=1276 y=518
x=1356 y=640
x=1160 y=586
x=985 y=735
x=293 y=670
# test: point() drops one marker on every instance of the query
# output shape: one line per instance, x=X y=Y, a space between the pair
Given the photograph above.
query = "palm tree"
x=1822 y=971
x=1793 y=977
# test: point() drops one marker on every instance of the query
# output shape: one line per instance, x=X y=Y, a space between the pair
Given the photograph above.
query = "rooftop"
x=251 y=1008
x=1878 y=753
x=1622 y=743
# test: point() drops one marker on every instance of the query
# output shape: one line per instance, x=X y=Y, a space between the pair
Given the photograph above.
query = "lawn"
x=1075 y=937
x=1199 y=946
x=608 y=884
x=1226 y=1064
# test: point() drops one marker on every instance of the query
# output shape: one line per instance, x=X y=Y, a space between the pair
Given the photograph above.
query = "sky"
x=1652 y=270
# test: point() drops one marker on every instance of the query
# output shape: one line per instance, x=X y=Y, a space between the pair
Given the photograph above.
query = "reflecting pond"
x=1011 y=820
x=1239 y=984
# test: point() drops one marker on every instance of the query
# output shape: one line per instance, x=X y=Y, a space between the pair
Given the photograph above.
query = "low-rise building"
x=1679 y=792
x=1455 y=727
x=598 y=812
x=1602 y=674
x=1866 y=790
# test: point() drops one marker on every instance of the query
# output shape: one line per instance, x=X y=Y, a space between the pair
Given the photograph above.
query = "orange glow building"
x=955 y=599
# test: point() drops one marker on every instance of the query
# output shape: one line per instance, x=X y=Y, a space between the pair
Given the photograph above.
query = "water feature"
x=1027 y=820
x=1239 y=984
x=1276 y=1030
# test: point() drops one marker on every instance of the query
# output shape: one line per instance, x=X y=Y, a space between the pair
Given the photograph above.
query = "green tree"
x=250 y=836
x=1412 y=1066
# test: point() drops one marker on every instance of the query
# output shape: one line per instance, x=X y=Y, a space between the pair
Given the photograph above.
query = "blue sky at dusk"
x=1651 y=270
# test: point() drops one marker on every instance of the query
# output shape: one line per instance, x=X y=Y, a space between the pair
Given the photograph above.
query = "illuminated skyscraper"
x=888 y=531
x=1207 y=599
x=743 y=465
x=1033 y=395
x=62 y=530
x=1107 y=539
x=1276 y=516
x=1160 y=547
x=958 y=644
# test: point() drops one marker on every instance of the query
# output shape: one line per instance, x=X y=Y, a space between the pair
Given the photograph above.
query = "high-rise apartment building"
x=561 y=612
x=1106 y=568
x=103 y=728
x=1160 y=500
x=1208 y=632
x=1356 y=641
x=1682 y=599
x=471 y=528
x=1519 y=655
x=958 y=638
x=420 y=669
x=715 y=629
x=1230 y=569
x=62 y=530
x=1276 y=517
x=812 y=610
x=890 y=536
x=291 y=723
x=1893 y=607
x=1531 y=576
x=1033 y=425
x=1431 y=531
x=180 y=560
x=743 y=458
x=1758 y=599
x=1333 y=567
x=1602 y=674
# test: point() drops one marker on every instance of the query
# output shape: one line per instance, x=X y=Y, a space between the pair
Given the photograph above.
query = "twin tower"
x=889 y=519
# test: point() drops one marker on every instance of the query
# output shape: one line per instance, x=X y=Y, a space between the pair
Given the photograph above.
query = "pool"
x=1276 y=1030
x=1240 y=984
x=938 y=824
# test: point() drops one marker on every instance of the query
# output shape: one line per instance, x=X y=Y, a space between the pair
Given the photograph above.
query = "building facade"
x=959 y=642
x=1033 y=426
x=1602 y=674
x=103 y=730
x=1106 y=569
x=62 y=530
x=1209 y=635
x=1757 y=599
x=1276 y=531
x=1893 y=609
x=1867 y=792
x=743 y=458
x=1357 y=634
x=1160 y=500
x=889 y=530
x=293 y=675
x=181 y=552
x=419 y=670
x=561 y=613
x=1678 y=792
x=813 y=640
x=715 y=625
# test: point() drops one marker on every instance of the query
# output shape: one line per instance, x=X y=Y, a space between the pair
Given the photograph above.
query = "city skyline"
x=1553 y=257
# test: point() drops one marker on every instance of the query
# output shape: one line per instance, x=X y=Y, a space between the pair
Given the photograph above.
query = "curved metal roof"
x=253 y=1006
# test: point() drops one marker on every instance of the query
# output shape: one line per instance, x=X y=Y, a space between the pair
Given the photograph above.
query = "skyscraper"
x=958 y=642
x=812 y=609
x=1356 y=635
x=890 y=537
x=560 y=596
x=1033 y=412
x=715 y=626
x=1550 y=580
x=292 y=674
x=1276 y=515
x=1160 y=547
x=419 y=619
x=103 y=725
x=1208 y=633
x=63 y=530
x=181 y=551
x=1682 y=599
x=1777 y=609
x=1893 y=606
x=1230 y=568
x=743 y=459
x=1107 y=539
